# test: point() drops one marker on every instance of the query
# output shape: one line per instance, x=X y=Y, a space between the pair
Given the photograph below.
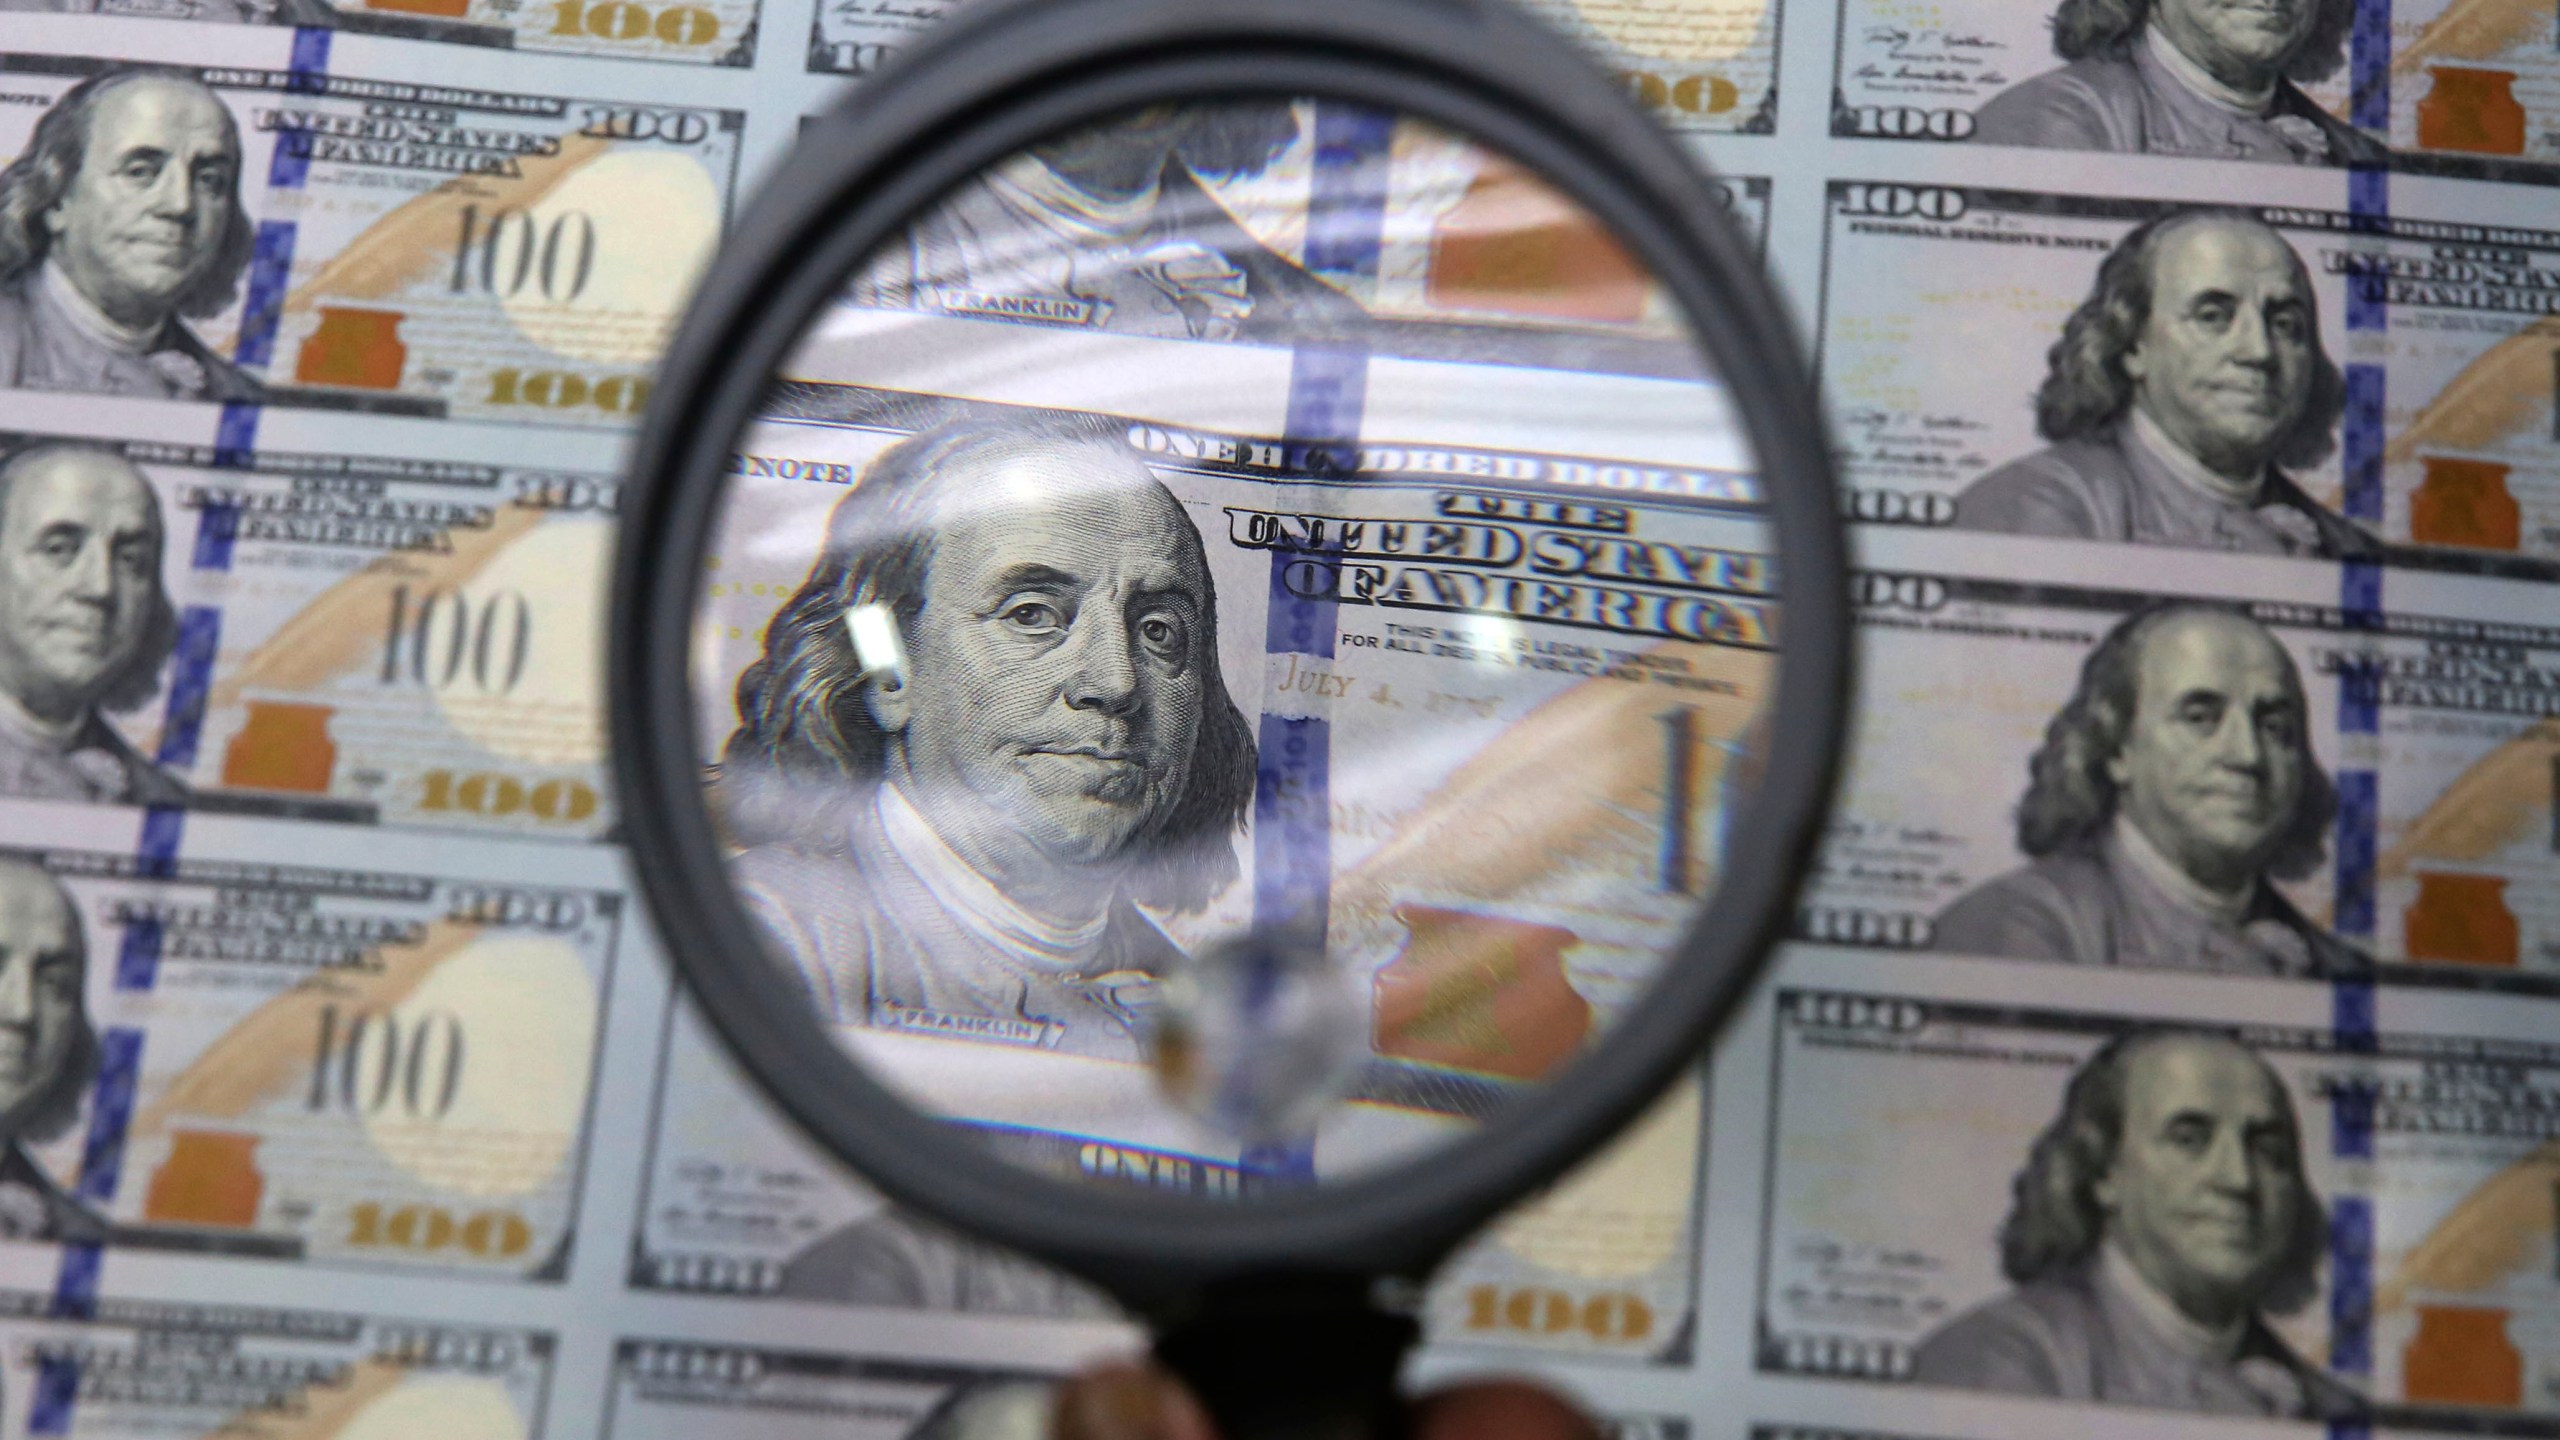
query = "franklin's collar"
x=2186 y=469
x=977 y=904
x=2161 y=1315
x=2230 y=911
x=2184 y=69
x=59 y=292
x=38 y=732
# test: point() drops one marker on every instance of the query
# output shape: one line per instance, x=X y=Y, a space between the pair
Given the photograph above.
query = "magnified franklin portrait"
x=987 y=727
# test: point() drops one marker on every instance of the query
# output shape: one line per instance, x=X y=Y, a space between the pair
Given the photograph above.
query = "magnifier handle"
x=1293 y=1362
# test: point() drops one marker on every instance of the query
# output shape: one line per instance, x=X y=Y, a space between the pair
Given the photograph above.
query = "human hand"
x=1127 y=1401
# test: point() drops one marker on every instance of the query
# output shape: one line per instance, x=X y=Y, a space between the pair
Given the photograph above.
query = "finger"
x=1124 y=1400
x=1500 y=1410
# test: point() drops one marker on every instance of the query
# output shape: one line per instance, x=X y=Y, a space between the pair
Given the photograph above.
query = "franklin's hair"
x=37 y=181
x=805 y=728
x=2054 y=1217
x=138 y=678
x=2086 y=389
x=2071 y=799
x=2082 y=28
x=49 y=1111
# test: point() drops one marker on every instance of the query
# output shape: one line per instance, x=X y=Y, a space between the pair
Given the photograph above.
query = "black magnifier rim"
x=989 y=83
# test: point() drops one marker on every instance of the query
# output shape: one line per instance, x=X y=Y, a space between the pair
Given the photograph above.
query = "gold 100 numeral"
x=1686 y=94
x=486 y=792
x=568 y=390
x=622 y=20
x=1614 y=1316
x=427 y=1229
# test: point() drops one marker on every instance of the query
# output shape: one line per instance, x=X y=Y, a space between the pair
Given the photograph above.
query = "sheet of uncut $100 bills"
x=2166 y=1043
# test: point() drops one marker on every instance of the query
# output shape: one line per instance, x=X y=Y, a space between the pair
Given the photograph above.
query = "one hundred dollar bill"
x=737 y=1202
x=2345 y=1207
x=1300 y=222
x=137 y=1368
x=674 y=1389
x=1967 y=340
x=354 y=636
x=2464 y=87
x=1926 y=75
x=666 y=1389
x=1473 y=631
x=711 y=32
x=2078 y=768
x=1699 y=65
x=379 y=639
x=1509 y=695
x=363 y=242
x=248 y=1053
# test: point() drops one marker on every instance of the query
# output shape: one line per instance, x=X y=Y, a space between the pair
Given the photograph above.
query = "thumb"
x=1128 y=1401
x=1500 y=1410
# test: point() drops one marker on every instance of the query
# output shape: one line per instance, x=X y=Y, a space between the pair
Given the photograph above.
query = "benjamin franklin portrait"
x=2207 y=79
x=986 y=729
x=2182 y=388
x=2160 y=1219
x=2172 y=788
x=120 y=222
x=85 y=625
x=48 y=1050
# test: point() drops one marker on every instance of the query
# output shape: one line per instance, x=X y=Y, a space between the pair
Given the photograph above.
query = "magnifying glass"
x=1230 y=638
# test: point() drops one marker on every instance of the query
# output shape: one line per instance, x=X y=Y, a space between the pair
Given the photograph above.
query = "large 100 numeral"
x=511 y=250
x=364 y=1063
x=442 y=637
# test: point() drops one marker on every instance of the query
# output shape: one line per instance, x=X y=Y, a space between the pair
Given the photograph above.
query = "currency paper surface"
x=381 y=245
x=2190 y=367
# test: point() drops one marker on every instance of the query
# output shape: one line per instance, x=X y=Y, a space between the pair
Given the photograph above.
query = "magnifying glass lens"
x=1225 y=658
